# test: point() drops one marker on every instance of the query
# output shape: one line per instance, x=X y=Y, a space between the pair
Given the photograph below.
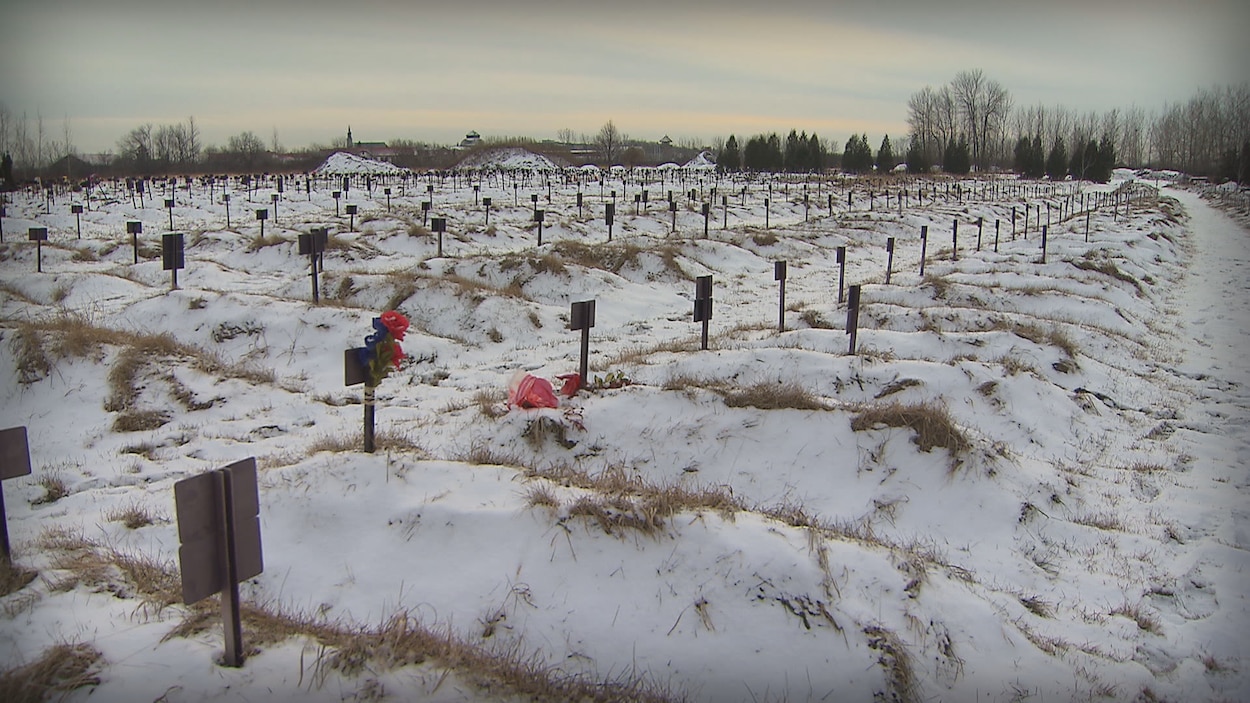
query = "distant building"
x=470 y=140
x=665 y=141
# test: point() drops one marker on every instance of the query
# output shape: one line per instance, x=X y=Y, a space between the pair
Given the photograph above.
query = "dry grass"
x=14 y=578
x=774 y=396
x=1145 y=621
x=383 y=440
x=898 y=386
x=491 y=402
x=62 y=669
x=931 y=424
x=400 y=641
x=1101 y=521
x=1037 y=606
x=71 y=336
x=1100 y=262
x=637 y=355
x=271 y=240
x=54 y=488
x=1053 y=336
x=893 y=657
x=133 y=515
x=621 y=501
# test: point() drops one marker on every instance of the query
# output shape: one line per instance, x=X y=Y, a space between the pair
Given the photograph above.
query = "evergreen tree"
x=1057 y=162
x=776 y=161
x=917 y=161
x=1037 y=158
x=755 y=155
x=1243 y=169
x=1020 y=157
x=1104 y=160
x=816 y=153
x=957 y=159
x=729 y=159
x=885 y=156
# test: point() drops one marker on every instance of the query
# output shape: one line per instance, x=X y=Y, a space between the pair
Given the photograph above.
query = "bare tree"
x=274 y=145
x=609 y=142
x=983 y=106
x=566 y=136
x=247 y=148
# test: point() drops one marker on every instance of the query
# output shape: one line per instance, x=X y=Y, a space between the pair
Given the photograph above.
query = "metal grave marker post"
x=134 y=228
x=980 y=226
x=955 y=239
x=1044 y=228
x=172 y=257
x=425 y=212
x=387 y=192
x=352 y=209
x=219 y=533
x=779 y=275
x=703 y=304
x=312 y=245
x=486 y=204
x=889 y=258
x=579 y=205
x=439 y=224
x=672 y=207
x=477 y=189
x=261 y=215
x=609 y=214
x=582 y=317
x=38 y=235
x=841 y=271
x=225 y=198
x=336 y=195
x=707 y=209
x=273 y=200
x=997 y=222
x=539 y=215
x=766 y=213
x=924 y=245
x=724 y=209
x=77 y=211
x=355 y=373
x=14 y=462
x=637 y=200
x=852 y=316
x=169 y=205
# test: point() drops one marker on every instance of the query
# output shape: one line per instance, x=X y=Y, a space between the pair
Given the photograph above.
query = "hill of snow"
x=341 y=163
x=507 y=159
x=1029 y=481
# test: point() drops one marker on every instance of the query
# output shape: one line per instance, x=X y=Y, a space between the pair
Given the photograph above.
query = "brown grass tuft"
x=931 y=423
x=63 y=668
x=774 y=396
x=14 y=578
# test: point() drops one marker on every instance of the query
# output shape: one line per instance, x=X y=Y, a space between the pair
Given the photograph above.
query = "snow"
x=507 y=158
x=341 y=163
x=704 y=160
x=1091 y=542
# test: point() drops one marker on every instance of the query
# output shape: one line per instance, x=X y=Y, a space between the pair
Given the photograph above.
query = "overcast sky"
x=433 y=71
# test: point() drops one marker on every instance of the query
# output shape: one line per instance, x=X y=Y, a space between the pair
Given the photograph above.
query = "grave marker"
x=582 y=317
x=439 y=224
x=172 y=256
x=852 y=316
x=134 y=228
x=14 y=463
x=703 y=304
x=779 y=275
x=38 y=235
x=219 y=534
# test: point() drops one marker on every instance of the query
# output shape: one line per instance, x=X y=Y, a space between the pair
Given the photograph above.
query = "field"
x=1027 y=483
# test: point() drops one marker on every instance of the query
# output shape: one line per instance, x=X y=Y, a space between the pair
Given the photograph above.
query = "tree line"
x=969 y=123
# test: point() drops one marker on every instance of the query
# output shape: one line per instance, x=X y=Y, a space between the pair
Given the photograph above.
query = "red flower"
x=399 y=355
x=395 y=323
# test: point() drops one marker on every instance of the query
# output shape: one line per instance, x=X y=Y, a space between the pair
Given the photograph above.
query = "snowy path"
x=1214 y=309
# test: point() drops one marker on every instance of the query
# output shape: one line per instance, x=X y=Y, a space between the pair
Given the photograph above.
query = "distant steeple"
x=350 y=143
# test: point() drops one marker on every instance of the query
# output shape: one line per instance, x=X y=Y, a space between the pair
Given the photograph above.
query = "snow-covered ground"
x=1080 y=533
